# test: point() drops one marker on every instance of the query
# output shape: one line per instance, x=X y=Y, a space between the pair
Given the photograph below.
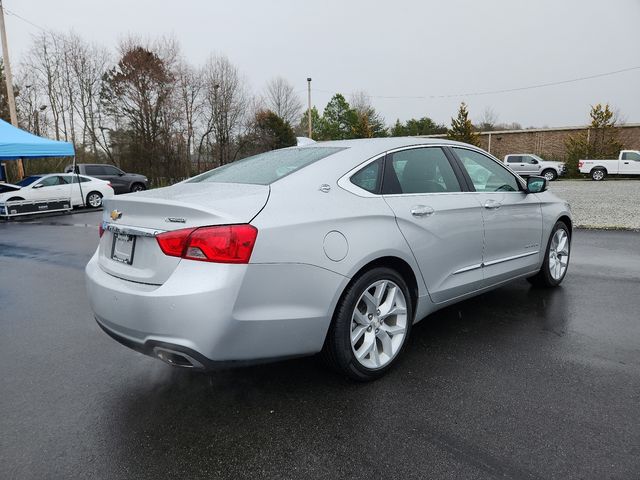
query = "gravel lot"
x=608 y=204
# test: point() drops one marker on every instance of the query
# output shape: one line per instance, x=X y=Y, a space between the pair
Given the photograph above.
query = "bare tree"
x=225 y=105
x=488 y=121
x=281 y=98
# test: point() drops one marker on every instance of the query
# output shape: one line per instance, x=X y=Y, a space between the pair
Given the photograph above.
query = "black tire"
x=598 y=174
x=15 y=199
x=90 y=200
x=544 y=278
x=137 y=187
x=552 y=174
x=337 y=352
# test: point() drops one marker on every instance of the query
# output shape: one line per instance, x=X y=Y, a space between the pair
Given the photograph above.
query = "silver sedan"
x=334 y=247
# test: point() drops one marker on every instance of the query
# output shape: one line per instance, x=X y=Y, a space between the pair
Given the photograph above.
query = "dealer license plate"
x=123 y=248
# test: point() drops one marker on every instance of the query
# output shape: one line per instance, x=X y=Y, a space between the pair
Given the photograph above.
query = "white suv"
x=526 y=164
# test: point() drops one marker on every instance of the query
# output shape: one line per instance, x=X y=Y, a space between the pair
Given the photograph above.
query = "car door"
x=512 y=218
x=74 y=189
x=531 y=166
x=117 y=178
x=630 y=163
x=48 y=188
x=516 y=163
x=440 y=221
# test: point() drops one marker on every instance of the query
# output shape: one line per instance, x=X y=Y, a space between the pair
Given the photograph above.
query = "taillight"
x=221 y=244
x=100 y=230
x=580 y=163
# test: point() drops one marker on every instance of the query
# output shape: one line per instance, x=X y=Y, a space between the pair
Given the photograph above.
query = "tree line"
x=147 y=109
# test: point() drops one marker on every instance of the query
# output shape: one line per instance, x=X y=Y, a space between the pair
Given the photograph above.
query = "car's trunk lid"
x=128 y=248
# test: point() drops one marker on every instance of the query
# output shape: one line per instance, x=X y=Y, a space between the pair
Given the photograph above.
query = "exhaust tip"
x=176 y=359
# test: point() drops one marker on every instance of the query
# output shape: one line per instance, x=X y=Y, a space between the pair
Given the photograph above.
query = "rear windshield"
x=266 y=168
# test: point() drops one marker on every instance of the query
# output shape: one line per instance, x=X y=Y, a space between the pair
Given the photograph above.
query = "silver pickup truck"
x=627 y=163
x=527 y=164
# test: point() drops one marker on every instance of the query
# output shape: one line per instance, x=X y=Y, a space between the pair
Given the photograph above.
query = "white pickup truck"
x=628 y=163
x=527 y=164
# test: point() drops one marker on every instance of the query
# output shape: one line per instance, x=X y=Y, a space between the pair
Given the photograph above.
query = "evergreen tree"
x=414 y=126
x=338 y=120
x=462 y=129
x=302 y=129
x=602 y=139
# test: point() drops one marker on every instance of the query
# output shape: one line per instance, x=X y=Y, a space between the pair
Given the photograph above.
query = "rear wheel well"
x=599 y=168
x=400 y=266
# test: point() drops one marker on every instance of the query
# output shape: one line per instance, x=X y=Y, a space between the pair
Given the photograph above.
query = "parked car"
x=82 y=190
x=8 y=187
x=627 y=163
x=526 y=164
x=121 y=182
x=335 y=247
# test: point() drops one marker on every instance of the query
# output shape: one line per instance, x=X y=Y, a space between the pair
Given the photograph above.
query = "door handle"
x=492 y=204
x=626 y=163
x=421 y=210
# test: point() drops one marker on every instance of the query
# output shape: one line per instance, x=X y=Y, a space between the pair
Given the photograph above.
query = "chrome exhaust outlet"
x=175 y=358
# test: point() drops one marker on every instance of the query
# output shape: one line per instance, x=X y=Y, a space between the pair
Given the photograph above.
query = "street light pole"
x=309 y=106
x=9 y=79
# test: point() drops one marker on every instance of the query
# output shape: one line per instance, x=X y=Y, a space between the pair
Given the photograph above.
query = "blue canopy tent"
x=16 y=143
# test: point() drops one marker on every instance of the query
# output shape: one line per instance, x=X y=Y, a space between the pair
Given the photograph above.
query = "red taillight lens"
x=222 y=244
x=100 y=230
x=174 y=243
x=580 y=163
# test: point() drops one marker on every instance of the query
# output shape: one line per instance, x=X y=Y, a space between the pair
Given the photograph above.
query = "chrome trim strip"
x=468 y=269
x=494 y=262
x=128 y=230
x=506 y=259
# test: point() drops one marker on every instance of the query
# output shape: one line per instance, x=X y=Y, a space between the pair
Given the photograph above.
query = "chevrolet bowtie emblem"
x=115 y=214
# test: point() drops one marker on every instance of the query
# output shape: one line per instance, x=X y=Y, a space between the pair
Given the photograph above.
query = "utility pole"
x=9 y=78
x=309 y=108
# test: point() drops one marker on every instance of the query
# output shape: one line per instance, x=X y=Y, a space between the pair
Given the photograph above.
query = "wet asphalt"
x=518 y=383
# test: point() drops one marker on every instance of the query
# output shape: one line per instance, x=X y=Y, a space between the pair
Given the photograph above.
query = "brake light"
x=221 y=244
x=580 y=163
x=100 y=230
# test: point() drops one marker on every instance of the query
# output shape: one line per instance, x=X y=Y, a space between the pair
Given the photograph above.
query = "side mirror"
x=536 y=184
x=534 y=161
x=121 y=174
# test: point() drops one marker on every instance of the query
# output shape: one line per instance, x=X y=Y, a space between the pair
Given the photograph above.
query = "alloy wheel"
x=94 y=200
x=379 y=324
x=559 y=254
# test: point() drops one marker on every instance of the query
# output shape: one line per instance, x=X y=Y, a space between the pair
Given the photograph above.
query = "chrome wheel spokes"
x=379 y=324
x=559 y=254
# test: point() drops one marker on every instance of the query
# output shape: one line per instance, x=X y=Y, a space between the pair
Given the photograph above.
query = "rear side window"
x=266 y=168
x=419 y=170
x=94 y=170
x=514 y=159
x=369 y=177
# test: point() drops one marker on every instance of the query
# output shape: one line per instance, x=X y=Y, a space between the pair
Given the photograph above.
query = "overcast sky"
x=398 y=48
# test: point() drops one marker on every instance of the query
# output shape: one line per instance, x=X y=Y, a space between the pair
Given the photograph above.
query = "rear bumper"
x=219 y=312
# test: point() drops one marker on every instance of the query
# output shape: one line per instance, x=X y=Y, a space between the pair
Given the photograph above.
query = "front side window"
x=486 y=174
x=266 y=168
x=109 y=170
x=52 y=181
x=419 y=170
